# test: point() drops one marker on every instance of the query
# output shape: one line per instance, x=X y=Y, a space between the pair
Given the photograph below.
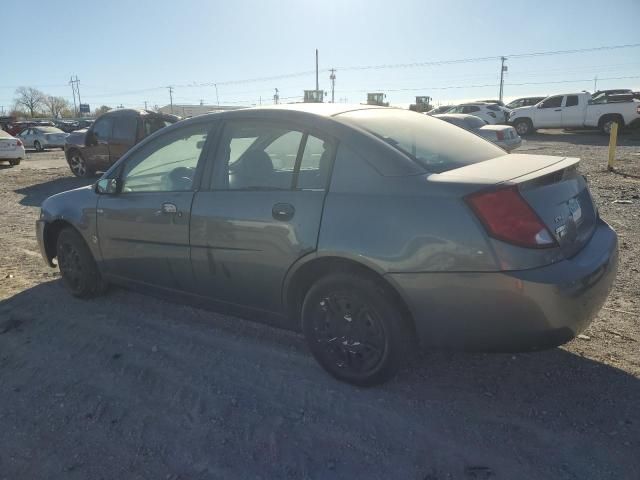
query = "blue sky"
x=126 y=52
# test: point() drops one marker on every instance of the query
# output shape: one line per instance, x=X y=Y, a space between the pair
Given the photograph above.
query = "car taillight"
x=508 y=217
x=500 y=135
x=19 y=143
x=638 y=109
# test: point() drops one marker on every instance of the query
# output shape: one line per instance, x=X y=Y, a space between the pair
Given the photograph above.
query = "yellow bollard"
x=613 y=140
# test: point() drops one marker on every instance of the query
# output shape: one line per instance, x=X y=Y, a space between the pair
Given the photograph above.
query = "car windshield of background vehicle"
x=437 y=146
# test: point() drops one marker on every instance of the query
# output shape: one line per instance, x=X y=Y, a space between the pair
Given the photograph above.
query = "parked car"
x=504 y=136
x=612 y=96
x=440 y=109
x=369 y=228
x=42 y=138
x=497 y=102
x=574 y=110
x=11 y=149
x=524 y=102
x=109 y=137
x=490 y=112
x=16 y=127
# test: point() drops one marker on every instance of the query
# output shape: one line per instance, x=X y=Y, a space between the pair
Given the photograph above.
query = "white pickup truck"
x=574 y=110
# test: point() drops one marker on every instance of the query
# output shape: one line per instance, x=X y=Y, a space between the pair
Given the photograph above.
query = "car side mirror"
x=107 y=186
x=590 y=102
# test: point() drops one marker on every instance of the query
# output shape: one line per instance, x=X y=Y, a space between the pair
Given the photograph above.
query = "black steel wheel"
x=77 y=266
x=354 y=329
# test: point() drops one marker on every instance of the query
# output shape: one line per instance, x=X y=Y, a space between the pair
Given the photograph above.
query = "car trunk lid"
x=550 y=185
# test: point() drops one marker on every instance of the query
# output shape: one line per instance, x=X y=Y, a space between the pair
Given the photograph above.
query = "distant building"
x=186 y=111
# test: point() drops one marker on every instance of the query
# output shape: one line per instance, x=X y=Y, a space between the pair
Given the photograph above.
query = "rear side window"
x=124 y=128
x=470 y=109
x=572 y=101
x=437 y=146
x=495 y=108
x=258 y=155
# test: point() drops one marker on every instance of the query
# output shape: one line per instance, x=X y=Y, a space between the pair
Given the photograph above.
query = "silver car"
x=370 y=229
x=41 y=138
x=505 y=136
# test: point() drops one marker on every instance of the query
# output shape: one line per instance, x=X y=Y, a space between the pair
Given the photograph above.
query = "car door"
x=26 y=138
x=261 y=213
x=549 y=113
x=123 y=135
x=96 y=149
x=143 y=229
x=572 y=112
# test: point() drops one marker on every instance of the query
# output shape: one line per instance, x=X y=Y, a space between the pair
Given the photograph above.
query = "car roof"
x=321 y=109
x=460 y=116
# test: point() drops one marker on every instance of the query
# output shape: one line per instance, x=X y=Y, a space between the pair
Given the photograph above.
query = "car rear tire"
x=78 y=268
x=15 y=162
x=523 y=127
x=606 y=124
x=354 y=329
x=78 y=165
x=38 y=146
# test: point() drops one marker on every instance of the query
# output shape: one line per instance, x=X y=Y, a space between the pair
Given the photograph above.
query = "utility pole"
x=171 y=97
x=503 y=68
x=145 y=104
x=595 y=84
x=317 y=83
x=276 y=97
x=332 y=77
x=75 y=88
x=260 y=100
x=217 y=99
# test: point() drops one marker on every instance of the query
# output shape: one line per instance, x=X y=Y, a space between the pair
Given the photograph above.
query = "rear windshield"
x=435 y=145
x=48 y=129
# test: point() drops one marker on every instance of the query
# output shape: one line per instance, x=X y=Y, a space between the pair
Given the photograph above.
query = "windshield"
x=437 y=146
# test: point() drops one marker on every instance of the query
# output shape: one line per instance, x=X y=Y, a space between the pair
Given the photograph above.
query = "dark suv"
x=110 y=136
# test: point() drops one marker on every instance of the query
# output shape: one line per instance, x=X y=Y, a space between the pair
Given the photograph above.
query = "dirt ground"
x=131 y=387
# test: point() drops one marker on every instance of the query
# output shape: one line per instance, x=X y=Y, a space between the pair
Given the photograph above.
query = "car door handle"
x=283 y=211
x=558 y=110
x=167 y=209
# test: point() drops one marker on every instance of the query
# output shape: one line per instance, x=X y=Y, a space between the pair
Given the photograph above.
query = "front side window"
x=167 y=164
x=437 y=146
x=102 y=128
x=259 y=155
x=516 y=104
x=553 y=102
x=470 y=109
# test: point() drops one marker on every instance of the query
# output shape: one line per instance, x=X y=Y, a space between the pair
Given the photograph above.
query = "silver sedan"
x=41 y=138
x=504 y=136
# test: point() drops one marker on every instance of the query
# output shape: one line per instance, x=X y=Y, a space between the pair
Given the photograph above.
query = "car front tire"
x=14 y=162
x=78 y=268
x=38 y=146
x=354 y=329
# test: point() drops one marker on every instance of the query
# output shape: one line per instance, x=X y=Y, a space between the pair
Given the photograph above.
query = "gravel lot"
x=127 y=386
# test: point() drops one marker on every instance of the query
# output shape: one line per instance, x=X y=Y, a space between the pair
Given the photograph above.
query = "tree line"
x=31 y=102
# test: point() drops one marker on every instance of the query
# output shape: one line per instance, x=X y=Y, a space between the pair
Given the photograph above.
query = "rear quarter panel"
x=399 y=224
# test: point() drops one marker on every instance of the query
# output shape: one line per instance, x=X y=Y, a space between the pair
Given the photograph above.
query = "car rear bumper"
x=512 y=311
x=510 y=144
x=12 y=154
